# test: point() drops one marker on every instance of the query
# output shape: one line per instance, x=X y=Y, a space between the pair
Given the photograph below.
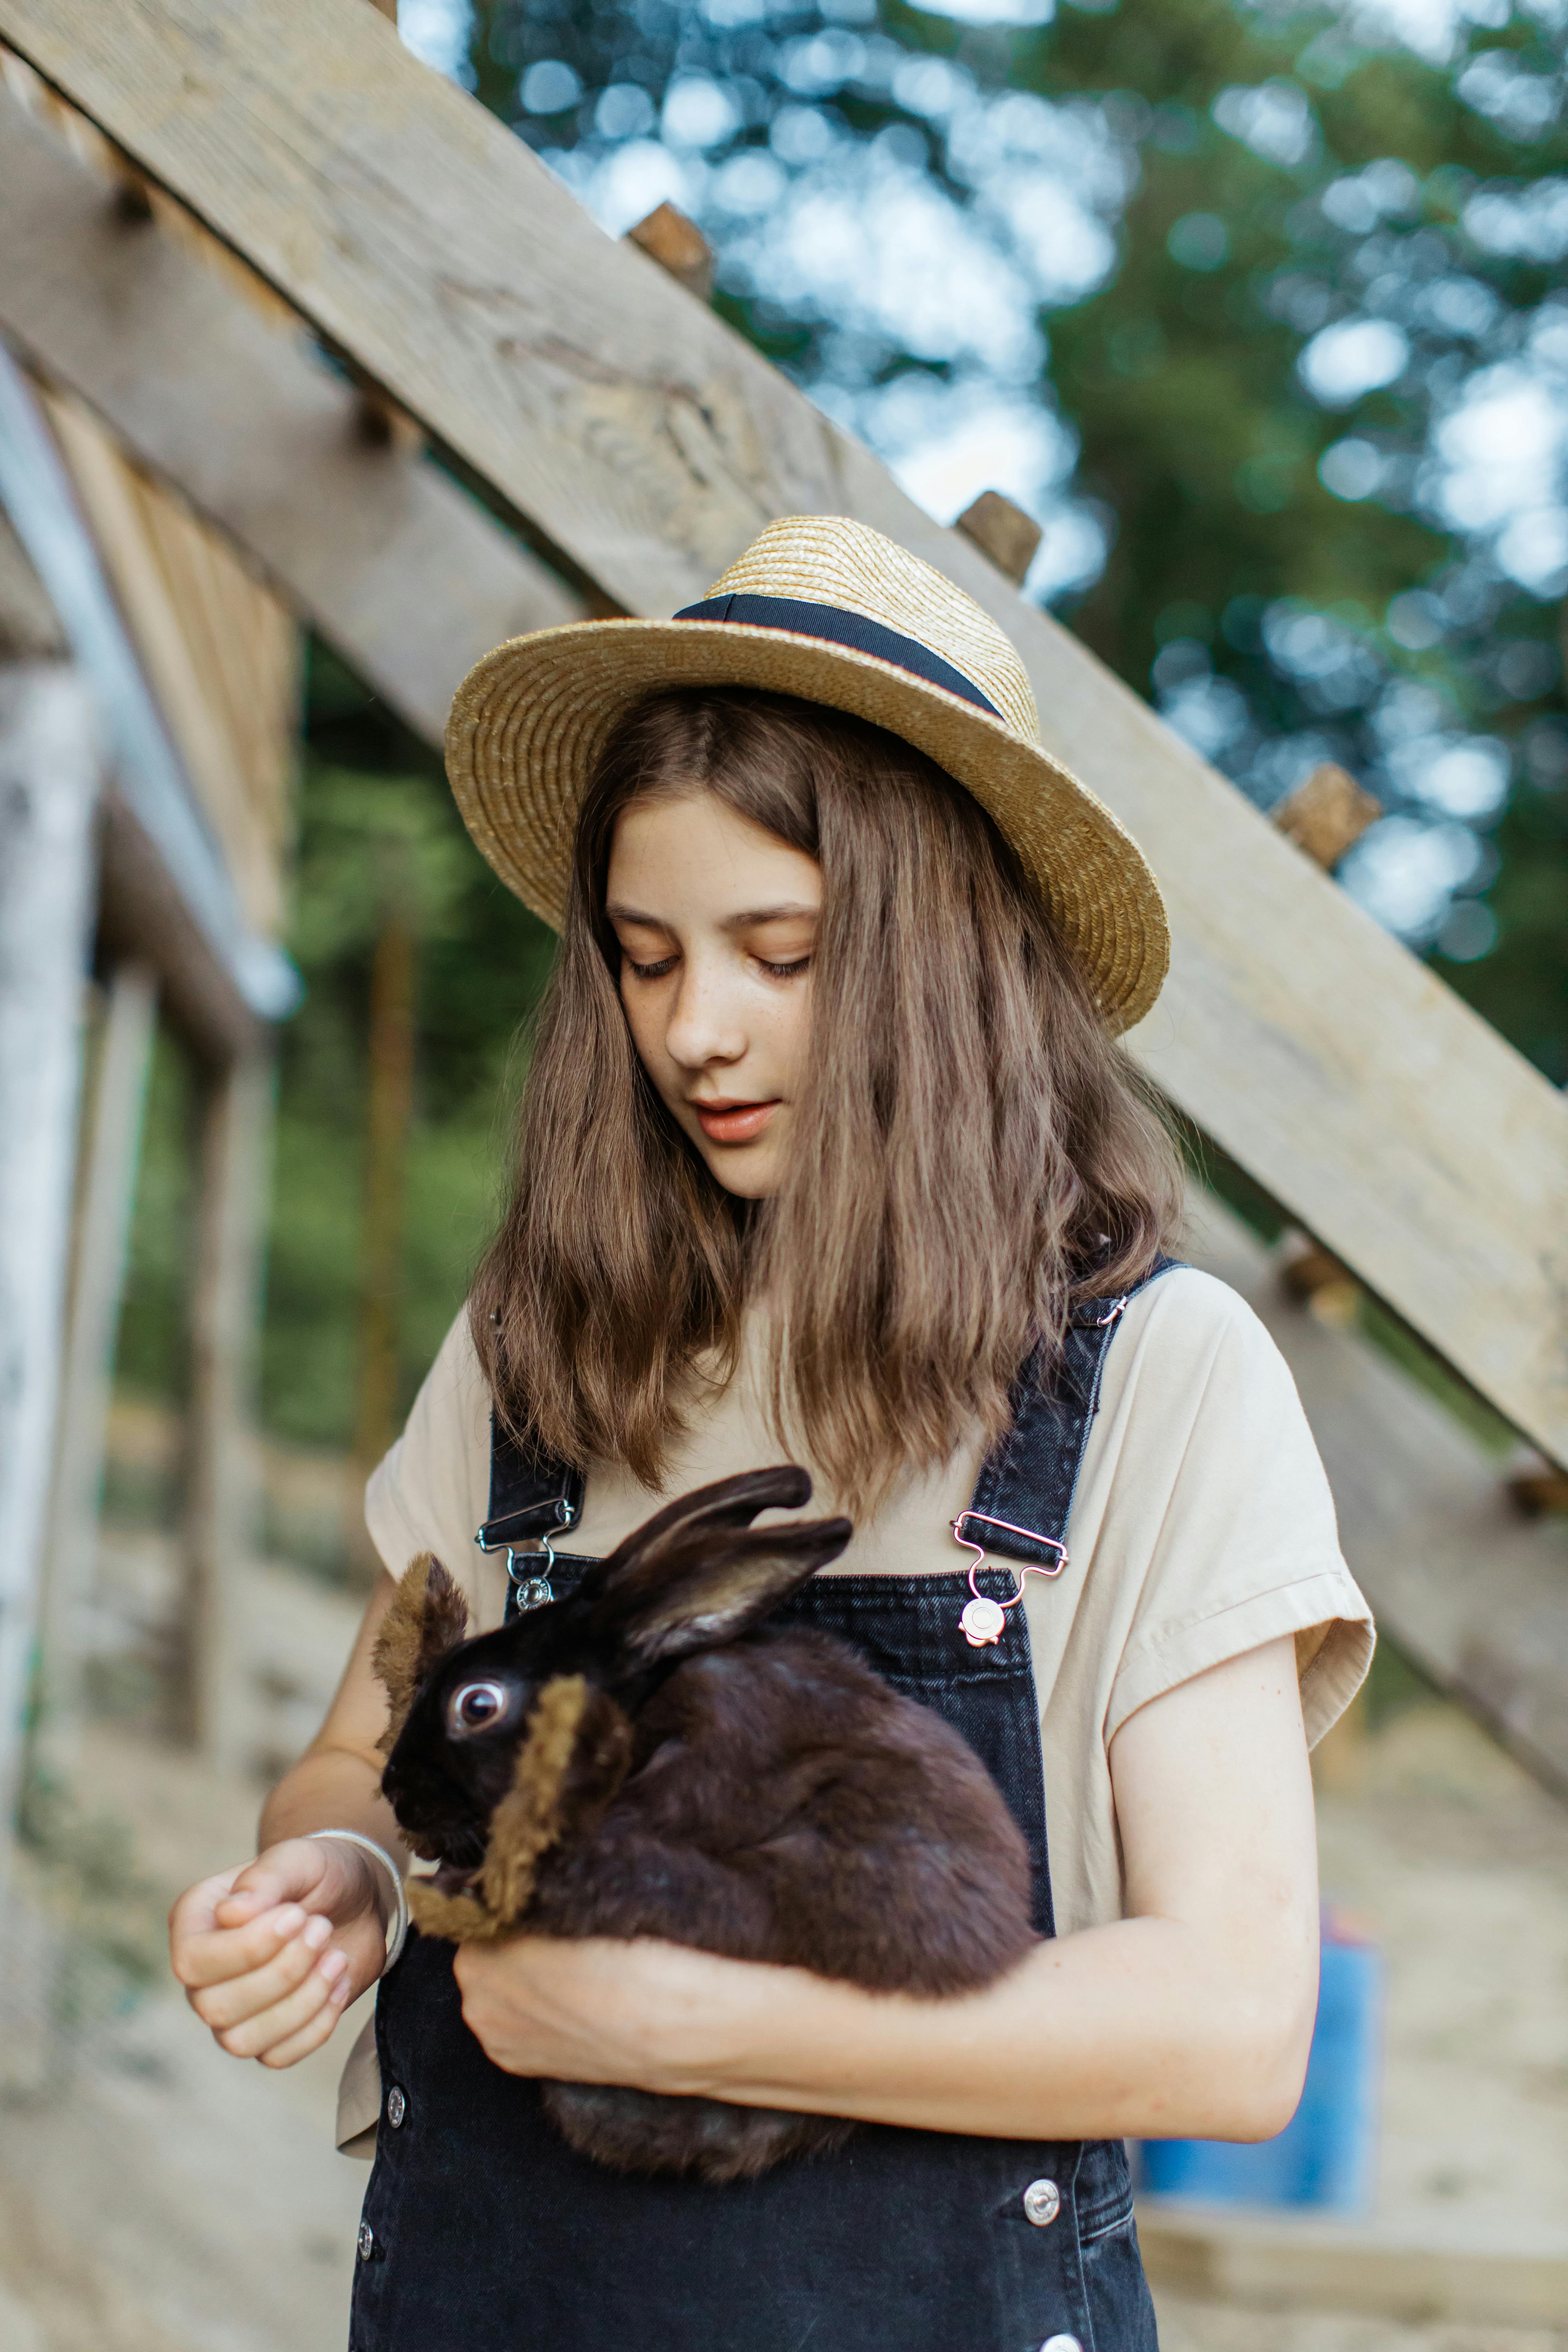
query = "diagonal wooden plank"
x=647 y=443
x=396 y=566
x=1475 y=1594
x=149 y=771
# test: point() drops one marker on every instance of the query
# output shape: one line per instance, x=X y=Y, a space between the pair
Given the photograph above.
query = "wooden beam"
x=48 y=786
x=1476 y=1595
x=647 y=443
x=399 y=568
x=142 y=917
x=29 y=627
x=37 y=493
x=219 y=650
x=106 y=1189
x=219 y=1535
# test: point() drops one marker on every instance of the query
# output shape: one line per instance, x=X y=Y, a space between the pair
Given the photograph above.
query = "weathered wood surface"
x=49 y=785
x=647 y=443
x=150 y=775
x=397 y=567
x=1477 y=1595
x=220 y=651
x=234 y=1180
x=106 y=1189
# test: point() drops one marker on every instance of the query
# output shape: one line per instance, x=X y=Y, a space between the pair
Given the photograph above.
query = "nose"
x=705 y=1025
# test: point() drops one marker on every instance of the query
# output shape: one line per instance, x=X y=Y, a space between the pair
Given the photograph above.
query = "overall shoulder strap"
x=532 y=1497
x=1023 y=1497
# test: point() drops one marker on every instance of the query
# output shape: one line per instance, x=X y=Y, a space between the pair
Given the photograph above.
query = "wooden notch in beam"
x=1326 y=814
x=647 y=443
x=678 y=247
x=1002 y=531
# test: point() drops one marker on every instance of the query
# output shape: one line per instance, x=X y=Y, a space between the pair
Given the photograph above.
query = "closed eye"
x=478 y=1706
x=652 y=971
x=784 y=971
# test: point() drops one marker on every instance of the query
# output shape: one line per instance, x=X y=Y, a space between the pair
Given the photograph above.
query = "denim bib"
x=483 y=2232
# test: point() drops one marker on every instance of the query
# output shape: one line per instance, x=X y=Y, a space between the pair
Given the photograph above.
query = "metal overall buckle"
x=984 y=1621
x=532 y=1589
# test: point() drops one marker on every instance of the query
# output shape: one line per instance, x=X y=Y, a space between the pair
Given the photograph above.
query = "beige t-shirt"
x=1201 y=1527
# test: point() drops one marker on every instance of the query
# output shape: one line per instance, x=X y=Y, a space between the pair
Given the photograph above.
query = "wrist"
x=717 y=2021
x=379 y=1883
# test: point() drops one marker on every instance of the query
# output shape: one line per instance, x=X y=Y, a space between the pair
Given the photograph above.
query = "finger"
x=290 y=1872
x=276 y=2023
x=227 y=1952
x=234 y=1998
x=312 y=2036
x=197 y=1907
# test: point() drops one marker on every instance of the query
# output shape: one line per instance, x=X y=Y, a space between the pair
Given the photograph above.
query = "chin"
x=747 y=1173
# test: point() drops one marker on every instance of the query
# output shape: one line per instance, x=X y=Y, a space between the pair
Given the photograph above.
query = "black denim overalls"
x=484 y=2232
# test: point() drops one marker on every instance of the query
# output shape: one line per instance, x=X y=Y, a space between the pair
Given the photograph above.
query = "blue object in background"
x=1326 y=2154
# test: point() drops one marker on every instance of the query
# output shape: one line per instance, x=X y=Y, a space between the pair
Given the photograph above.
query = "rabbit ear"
x=698 y=1573
x=428 y=1616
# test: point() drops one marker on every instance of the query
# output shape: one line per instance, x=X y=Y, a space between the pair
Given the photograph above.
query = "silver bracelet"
x=397 y=1926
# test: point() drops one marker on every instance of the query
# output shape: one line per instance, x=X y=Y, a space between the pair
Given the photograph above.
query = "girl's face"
x=717 y=921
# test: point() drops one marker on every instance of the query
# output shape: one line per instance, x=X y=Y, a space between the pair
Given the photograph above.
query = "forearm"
x=334 y=1788
x=1140 y=2029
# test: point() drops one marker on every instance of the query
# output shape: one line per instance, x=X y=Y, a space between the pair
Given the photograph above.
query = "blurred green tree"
x=1258 y=307
x=1255 y=306
x=379 y=838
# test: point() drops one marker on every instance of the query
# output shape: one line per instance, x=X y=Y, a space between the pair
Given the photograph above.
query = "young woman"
x=827 y=1153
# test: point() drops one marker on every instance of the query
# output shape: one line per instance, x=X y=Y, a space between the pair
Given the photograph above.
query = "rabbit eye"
x=473 y=1706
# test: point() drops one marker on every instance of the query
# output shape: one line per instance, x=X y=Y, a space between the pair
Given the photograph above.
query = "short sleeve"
x=1230 y=1509
x=430 y=1492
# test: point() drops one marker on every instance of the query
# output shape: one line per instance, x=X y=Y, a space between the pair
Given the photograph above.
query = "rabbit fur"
x=647 y=1757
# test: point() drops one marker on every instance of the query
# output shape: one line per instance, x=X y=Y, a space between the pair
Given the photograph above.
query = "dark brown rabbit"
x=645 y=1757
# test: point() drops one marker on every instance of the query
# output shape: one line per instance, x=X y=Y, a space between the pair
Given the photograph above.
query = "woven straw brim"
x=529 y=721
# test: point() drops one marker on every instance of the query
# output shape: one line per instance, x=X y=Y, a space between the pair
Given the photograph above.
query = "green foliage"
x=1115 y=248
x=152 y=1353
x=379 y=831
x=86 y=1876
x=1318 y=246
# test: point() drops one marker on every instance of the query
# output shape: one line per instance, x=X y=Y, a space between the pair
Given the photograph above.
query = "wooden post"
x=233 y=1145
x=105 y=1192
x=389 y=1115
x=49 y=785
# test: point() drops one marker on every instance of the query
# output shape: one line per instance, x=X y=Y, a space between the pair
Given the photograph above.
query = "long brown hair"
x=972 y=1152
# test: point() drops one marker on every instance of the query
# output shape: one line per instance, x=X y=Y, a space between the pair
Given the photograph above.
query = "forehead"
x=694 y=853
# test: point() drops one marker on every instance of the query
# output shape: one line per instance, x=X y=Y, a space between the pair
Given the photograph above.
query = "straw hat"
x=827 y=609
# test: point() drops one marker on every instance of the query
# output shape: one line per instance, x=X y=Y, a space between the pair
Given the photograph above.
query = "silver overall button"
x=1061 y=2344
x=397 y=2107
x=366 y=2241
x=1042 y=2203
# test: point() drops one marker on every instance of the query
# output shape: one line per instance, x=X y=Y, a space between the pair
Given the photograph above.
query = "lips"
x=733 y=1122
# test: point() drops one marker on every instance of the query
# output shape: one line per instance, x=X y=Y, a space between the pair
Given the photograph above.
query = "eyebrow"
x=741 y=922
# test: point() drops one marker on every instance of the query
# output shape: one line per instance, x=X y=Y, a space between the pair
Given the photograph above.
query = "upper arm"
x=358 y=1715
x=1214 y=1805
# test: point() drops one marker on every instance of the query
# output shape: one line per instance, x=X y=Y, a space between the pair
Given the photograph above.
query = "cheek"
x=645 y=1020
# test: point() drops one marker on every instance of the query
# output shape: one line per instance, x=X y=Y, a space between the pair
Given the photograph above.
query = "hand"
x=272 y=1953
x=646 y=2014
